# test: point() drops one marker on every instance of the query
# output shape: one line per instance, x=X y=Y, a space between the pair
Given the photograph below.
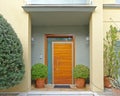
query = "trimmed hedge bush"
x=12 y=68
x=39 y=70
x=81 y=71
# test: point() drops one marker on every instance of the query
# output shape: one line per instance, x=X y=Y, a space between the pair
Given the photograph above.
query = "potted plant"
x=111 y=55
x=80 y=73
x=39 y=73
x=115 y=86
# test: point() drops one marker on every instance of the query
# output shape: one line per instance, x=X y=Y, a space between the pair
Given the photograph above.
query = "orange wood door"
x=62 y=62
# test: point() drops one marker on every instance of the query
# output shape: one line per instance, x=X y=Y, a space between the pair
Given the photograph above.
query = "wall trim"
x=111 y=6
x=58 y=7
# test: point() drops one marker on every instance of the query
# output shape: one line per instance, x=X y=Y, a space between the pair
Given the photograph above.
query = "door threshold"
x=50 y=87
x=62 y=86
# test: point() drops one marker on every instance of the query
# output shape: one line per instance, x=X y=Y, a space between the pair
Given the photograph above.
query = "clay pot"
x=116 y=92
x=80 y=82
x=40 y=83
x=107 y=82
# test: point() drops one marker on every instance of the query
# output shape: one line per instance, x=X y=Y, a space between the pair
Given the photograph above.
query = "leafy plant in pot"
x=115 y=86
x=39 y=73
x=80 y=73
x=111 y=56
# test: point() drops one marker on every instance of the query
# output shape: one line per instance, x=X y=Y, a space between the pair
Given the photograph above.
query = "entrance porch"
x=68 y=19
x=62 y=48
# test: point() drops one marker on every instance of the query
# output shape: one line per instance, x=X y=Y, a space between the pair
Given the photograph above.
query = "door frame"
x=46 y=36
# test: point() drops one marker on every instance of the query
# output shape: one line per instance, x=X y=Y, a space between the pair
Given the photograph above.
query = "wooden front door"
x=62 y=62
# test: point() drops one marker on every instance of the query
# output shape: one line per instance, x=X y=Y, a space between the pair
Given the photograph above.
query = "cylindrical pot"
x=116 y=92
x=107 y=82
x=80 y=82
x=40 y=83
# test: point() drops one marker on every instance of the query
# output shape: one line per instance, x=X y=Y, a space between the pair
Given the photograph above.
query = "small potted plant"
x=80 y=73
x=111 y=55
x=115 y=86
x=39 y=73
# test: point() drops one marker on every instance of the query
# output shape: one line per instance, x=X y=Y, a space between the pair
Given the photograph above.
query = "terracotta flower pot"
x=116 y=92
x=80 y=82
x=107 y=82
x=40 y=83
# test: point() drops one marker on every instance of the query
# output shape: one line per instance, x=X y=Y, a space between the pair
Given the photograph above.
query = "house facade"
x=79 y=25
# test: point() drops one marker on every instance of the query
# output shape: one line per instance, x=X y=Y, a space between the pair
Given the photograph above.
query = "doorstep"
x=60 y=93
x=107 y=92
x=50 y=91
x=50 y=87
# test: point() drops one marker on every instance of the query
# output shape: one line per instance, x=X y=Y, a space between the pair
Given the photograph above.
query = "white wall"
x=81 y=44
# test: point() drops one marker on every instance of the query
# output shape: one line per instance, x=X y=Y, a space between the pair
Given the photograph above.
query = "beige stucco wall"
x=109 y=1
x=20 y=21
x=96 y=48
x=111 y=17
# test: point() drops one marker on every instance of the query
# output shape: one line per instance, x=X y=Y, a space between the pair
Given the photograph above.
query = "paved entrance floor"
x=73 y=91
x=50 y=87
x=50 y=91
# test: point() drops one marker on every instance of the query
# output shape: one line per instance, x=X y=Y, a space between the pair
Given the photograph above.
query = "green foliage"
x=111 y=56
x=11 y=56
x=81 y=71
x=39 y=71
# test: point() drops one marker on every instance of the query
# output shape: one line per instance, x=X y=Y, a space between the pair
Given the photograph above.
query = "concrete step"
x=60 y=93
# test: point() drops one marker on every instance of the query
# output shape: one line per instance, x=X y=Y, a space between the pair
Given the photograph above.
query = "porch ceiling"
x=53 y=15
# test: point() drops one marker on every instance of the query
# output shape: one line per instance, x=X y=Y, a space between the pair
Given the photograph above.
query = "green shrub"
x=11 y=56
x=81 y=71
x=111 y=53
x=39 y=71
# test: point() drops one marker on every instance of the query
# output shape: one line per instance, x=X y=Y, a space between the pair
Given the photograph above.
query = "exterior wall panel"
x=20 y=21
x=81 y=44
x=109 y=1
x=96 y=48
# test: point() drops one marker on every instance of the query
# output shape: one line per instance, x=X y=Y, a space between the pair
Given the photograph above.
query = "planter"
x=107 y=82
x=40 y=83
x=116 y=92
x=80 y=82
x=39 y=73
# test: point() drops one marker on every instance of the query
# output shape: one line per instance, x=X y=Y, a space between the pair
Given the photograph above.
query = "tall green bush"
x=12 y=68
x=111 y=55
